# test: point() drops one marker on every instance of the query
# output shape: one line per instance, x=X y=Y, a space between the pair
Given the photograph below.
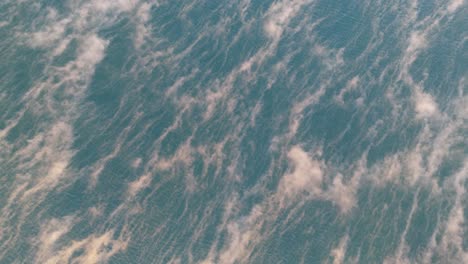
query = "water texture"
x=233 y=131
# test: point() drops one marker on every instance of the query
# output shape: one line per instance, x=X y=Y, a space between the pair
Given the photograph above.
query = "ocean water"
x=233 y=131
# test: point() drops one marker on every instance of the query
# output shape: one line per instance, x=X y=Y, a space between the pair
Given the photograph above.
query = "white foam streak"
x=451 y=232
x=139 y=184
x=350 y=86
x=184 y=154
x=242 y=236
x=51 y=153
x=43 y=159
x=108 y=5
x=279 y=15
x=307 y=175
x=418 y=40
x=454 y=229
x=101 y=164
x=50 y=35
x=308 y=178
x=50 y=235
x=339 y=252
x=94 y=249
x=142 y=29
x=238 y=244
x=425 y=105
x=299 y=107
x=344 y=195
x=91 y=52
x=276 y=19
x=454 y=5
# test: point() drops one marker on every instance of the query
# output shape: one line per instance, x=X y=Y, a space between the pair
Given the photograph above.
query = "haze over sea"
x=233 y=131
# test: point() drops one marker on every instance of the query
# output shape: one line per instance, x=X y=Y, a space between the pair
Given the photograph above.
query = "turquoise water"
x=246 y=131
